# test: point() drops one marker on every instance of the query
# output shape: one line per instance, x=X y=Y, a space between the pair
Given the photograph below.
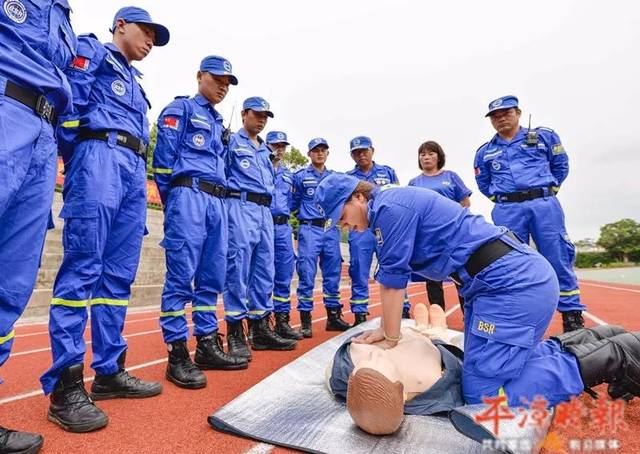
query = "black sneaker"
x=360 y=317
x=15 y=442
x=263 y=338
x=123 y=385
x=180 y=369
x=335 y=321
x=237 y=340
x=305 y=324
x=283 y=328
x=211 y=356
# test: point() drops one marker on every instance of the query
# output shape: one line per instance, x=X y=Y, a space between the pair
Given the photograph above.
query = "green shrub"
x=590 y=259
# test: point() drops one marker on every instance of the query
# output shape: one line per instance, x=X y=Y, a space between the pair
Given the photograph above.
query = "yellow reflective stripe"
x=555 y=188
x=68 y=303
x=282 y=300
x=8 y=337
x=330 y=296
x=570 y=293
x=71 y=124
x=502 y=393
x=492 y=198
x=204 y=308
x=109 y=302
x=304 y=298
x=359 y=301
x=231 y=313
x=172 y=314
x=256 y=312
x=162 y=170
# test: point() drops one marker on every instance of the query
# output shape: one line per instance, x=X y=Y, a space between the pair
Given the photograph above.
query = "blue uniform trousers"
x=250 y=269
x=195 y=243
x=104 y=214
x=362 y=246
x=313 y=244
x=285 y=262
x=27 y=178
x=543 y=219
x=508 y=307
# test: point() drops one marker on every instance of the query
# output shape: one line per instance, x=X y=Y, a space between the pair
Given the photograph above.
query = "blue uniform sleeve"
x=395 y=228
x=482 y=172
x=412 y=182
x=296 y=192
x=393 y=177
x=558 y=159
x=171 y=123
x=460 y=189
x=288 y=176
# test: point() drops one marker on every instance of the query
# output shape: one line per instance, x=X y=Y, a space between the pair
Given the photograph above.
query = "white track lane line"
x=260 y=448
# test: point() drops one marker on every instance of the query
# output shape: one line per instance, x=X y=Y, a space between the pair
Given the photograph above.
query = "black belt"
x=31 y=99
x=523 y=196
x=123 y=138
x=260 y=199
x=213 y=189
x=314 y=222
x=280 y=220
x=484 y=256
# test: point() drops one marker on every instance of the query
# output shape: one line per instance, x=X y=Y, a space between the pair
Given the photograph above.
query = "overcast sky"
x=403 y=72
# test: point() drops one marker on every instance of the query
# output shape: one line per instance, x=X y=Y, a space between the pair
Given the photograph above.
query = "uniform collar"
x=204 y=102
x=313 y=170
x=519 y=136
x=118 y=54
x=357 y=170
x=243 y=133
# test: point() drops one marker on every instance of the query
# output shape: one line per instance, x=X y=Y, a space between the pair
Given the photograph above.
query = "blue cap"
x=331 y=195
x=506 y=102
x=317 y=141
x=277 y=137
x=141 y=16
x=257 y=104
x=219 y=66
x=360 y=142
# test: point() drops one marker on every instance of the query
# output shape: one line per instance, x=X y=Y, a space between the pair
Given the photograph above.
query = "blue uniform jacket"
x=378 y=175
x=282 y=196
x=249 y=168
x=106 y=94
x=305 y=182
x=447 y=184
x=418 y=230
x=502 y=167
x=189 y=143
x=444 y=395
x=36 y=45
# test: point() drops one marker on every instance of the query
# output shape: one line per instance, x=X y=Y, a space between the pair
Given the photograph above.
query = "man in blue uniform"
x=521 y=170
x=189 y=169
x=284 y=257
x=362 y=245
x=103 y=143
x=314 y=242
x=510 y=294
x=36 y=44
x=250 y=269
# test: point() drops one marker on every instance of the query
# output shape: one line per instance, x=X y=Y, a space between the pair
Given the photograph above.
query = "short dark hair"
x=431 y=145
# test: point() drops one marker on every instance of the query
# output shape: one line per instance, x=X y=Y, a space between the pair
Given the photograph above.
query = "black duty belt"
x=33 y=100
x=213 y=189
x=523 y=196
x=314 y=222
x=123 y=138
x=484 y=256
x=280 y=220
x=260 y=199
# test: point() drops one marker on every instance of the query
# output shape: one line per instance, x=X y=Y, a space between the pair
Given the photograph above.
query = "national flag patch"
x=170 y=122
x=80 y=63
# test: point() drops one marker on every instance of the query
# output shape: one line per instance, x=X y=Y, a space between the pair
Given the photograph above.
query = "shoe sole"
x=78 y=428
x=125 y=395
x=208 y=367
x=287 y=348
x=185 y=385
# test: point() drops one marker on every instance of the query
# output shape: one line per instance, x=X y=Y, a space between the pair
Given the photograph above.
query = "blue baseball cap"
x=141 y=16
x=505 y=102
x=331 y=195
x=317 y=141
x=277 y=137
x=360 y=142
x=257 y=104
x=219 y=66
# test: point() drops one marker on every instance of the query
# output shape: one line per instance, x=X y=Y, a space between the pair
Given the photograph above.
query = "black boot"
x=237 y=341
x=615 y=361
x=262 y=337
x=335 y=321
x=180 y=369
x=305 y=324
x=71 y=407
x=406 y=313
x=123 y=385
x=210 y=354
x=14 y=442
x=572 y=320
x=587 y=335
x=283 y=328
x=361 y=317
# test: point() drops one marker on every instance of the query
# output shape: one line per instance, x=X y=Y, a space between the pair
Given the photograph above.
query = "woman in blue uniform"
x=431 y=160
x=511 y=293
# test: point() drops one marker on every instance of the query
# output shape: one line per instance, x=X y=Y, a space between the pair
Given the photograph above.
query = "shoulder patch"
x=80 y=63
x=169 y=122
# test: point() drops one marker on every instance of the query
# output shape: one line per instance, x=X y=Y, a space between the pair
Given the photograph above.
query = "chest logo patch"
x=311 y=191
x=379 y=239
x=198 y=140
x=15 y=10
x=495 y=165
x=118 y=87
x=245 y=164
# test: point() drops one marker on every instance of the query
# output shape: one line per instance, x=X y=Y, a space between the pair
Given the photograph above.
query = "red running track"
x=175 y=421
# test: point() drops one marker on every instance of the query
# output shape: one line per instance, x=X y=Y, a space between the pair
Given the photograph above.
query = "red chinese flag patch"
x=170 y=122
x=81 y=63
